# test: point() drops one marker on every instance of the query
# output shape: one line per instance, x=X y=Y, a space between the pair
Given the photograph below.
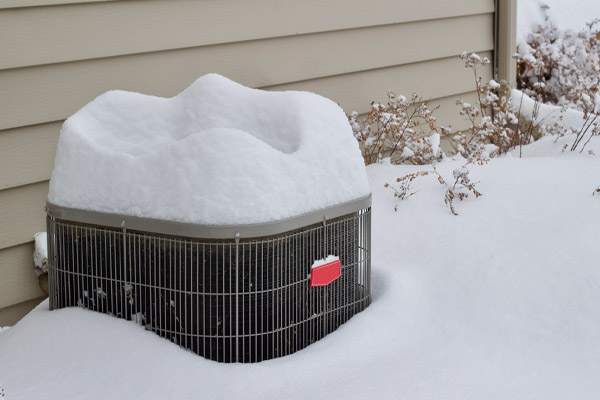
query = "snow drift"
x=546 y=114
x=218 y=153
x=498 y=303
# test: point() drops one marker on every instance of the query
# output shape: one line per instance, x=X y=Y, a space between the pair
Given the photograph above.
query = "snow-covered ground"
x=565 y=14
x=547 y=114
x=500 y=302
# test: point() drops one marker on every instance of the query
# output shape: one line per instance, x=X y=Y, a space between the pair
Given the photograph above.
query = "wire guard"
x=229 y=300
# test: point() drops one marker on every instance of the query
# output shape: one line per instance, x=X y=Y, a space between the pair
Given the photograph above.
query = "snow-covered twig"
x=397 y=130
x=403 y=190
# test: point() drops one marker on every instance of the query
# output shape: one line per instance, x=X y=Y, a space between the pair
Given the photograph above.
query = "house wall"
x=55 y=56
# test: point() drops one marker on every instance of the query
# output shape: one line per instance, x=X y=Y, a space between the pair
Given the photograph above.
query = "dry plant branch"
x=397 y=130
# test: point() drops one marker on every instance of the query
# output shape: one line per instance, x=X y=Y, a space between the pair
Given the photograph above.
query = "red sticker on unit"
x=324 y=272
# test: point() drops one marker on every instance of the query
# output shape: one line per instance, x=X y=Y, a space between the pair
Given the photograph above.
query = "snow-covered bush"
x=496 y=125
x=394 y=130
x=563 y=68
x=399 y=129
x=494 y=119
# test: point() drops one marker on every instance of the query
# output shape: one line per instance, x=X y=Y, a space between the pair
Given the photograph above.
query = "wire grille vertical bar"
x=237 y=292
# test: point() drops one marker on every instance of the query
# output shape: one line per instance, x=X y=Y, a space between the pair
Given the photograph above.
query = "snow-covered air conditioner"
x=235 y=222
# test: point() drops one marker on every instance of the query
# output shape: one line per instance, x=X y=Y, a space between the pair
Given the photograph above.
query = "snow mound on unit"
x=217 y=153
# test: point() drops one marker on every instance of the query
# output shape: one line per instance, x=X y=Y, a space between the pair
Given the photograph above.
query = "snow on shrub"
x=494 y=119
x=393 y=130
x=398 y=130
x=563 y=68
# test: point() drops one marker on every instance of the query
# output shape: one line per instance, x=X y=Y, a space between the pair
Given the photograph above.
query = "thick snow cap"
x=218 y=153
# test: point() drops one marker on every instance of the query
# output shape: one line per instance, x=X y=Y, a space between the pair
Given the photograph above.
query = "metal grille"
x=243 y=300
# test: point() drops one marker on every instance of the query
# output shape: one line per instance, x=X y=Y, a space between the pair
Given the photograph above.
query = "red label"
x=325 y=274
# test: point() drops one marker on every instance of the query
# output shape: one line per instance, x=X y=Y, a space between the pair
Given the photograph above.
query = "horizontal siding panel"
x=36 y=3
x=430 y=80
x=19 y=282
x=22 y=213
x=27 y=154
x=93 y=30
x=448 y=113
x=11 y=315
x=52 y=92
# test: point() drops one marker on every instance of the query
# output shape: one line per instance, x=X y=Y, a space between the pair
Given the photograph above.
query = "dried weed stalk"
x=493 y=120
x=459 y=187
x=403 y=190
x=396 y=130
